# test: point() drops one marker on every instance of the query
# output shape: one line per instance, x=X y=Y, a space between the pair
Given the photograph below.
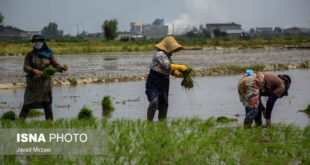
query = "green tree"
x=109 y=29
x=51 y=31
x=1 y=18
x=218 y=33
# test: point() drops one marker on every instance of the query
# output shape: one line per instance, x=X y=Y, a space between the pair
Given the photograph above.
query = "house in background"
x=149 y=31
x=264 y=30
x=124 y=36
x=136 y=30
x=154 y=31
x=232 y=29
x=9 y=32
x=296 y=31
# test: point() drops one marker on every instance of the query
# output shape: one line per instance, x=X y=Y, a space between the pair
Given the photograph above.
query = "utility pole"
x=78 y=30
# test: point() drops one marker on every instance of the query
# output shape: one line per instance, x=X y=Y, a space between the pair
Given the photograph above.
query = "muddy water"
x=211 y=96
x=136 y=64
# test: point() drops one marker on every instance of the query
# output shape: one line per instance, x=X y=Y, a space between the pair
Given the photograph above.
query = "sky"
x=78 y=15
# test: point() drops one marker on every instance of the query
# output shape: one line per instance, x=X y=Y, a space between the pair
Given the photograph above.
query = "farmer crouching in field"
x=157 y=84
x=252 y=86
x=38 y=92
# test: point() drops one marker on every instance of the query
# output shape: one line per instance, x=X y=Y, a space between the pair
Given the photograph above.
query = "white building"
x=232 y=29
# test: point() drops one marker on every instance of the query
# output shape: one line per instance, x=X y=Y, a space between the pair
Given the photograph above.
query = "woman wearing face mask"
x=157 y=84
x=38 y=93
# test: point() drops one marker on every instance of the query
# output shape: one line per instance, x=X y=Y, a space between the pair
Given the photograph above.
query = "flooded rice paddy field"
x=211 y=96
x=112 y=65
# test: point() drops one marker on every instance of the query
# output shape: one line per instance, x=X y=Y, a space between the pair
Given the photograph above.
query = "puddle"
x=211 y=96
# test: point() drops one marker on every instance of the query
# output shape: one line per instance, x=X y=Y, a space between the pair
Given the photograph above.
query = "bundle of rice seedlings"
x=187 y=81
x=50 y=71
x=85 y=113
x=10 y=115
x=107 y=104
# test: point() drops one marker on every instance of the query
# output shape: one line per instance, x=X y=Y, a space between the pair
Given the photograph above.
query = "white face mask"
x=37 y=45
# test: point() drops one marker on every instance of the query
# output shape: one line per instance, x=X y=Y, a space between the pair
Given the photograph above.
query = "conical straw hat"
x=169 y=45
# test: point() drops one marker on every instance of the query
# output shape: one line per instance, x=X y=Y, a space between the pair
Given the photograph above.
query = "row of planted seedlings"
x=179 y=141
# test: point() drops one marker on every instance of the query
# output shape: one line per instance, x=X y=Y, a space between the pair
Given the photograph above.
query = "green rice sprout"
x=50 y=71
x=10 y=115
x=107 y=104
x=34 y=113
x=224 y=119
x=187 y=81
x=85 y=114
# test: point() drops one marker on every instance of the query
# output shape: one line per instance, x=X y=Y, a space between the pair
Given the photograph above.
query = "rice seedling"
x=224 y=119
x=34 y=113
x=10 y=115
x=106 y=104
x=85 y=114
x=178 y=141
x=187 y=81
x=306 y=110
x=50 y=71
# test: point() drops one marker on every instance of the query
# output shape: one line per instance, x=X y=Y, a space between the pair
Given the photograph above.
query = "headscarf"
x=45 y=51
x=287 y=82
x=169 y=45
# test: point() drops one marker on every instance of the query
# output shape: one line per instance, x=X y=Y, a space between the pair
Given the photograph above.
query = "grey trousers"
x=159 y=103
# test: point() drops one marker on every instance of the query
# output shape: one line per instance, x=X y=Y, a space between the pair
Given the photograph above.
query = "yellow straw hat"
x=169 y=45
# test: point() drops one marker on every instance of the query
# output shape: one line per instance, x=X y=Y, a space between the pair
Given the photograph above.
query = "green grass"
x=14 y=47
x=72 y=81
x=304 y=65
x=179 y=141
x=229 y=70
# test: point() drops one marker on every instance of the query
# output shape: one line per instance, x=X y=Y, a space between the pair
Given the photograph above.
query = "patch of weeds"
x=85 y=114
x=304 y=65
x=72 y=81
x=282 y=67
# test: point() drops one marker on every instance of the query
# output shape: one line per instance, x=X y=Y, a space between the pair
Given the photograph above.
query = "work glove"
x=177 y=73
x=181 y=68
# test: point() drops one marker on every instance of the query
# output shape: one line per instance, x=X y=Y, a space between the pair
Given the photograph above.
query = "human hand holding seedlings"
x=182 y=68
x=37 y=72
x=177 y=73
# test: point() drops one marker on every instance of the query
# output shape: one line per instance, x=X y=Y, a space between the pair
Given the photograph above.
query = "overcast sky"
x=89 y=15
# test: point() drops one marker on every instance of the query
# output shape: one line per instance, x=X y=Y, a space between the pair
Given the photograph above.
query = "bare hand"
x=268 y=122
x=65 y=67
x=38 y=73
